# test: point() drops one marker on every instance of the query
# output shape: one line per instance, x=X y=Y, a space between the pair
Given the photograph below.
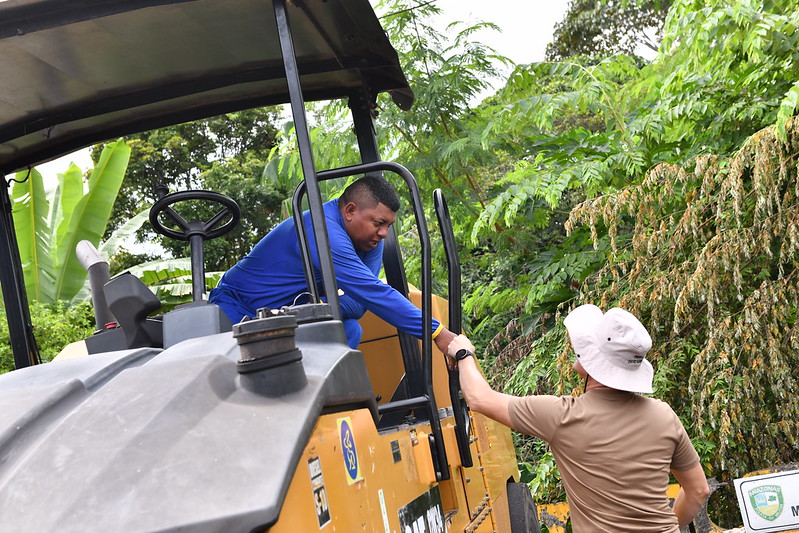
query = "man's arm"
x=350 y=308
x=357 y=277
x=478 y=393
x=693 y=493
x=442 y=340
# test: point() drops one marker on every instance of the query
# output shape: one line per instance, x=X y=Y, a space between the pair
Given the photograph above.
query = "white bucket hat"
x=611 y=347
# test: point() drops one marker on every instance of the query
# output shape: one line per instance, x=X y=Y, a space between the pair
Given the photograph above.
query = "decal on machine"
x=425 y=514
x=348 y=450
x=383 y=510
x=319 y=492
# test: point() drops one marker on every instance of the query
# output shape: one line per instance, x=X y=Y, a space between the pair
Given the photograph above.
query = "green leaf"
x=111 y=246
x=155 y=270
x=90 y=217
x=787 y=109
x=30 y=213
x=67 y=195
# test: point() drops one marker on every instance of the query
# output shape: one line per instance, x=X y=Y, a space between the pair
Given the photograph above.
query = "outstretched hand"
x=461 y=342
x=443 y=339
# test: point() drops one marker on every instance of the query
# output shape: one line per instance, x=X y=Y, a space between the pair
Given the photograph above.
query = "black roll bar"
x=306 y=155
x=311 y=183
x=436 y=439
x=305 y=251
x=362 y=109
x=20 y=328
x=459 y=407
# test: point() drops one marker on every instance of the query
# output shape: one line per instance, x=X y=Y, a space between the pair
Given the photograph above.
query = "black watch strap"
x=463 y=353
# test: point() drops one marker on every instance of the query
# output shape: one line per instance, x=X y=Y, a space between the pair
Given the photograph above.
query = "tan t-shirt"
x=614 y=450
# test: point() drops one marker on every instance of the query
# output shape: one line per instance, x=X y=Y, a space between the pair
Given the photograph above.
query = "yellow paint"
x=473 y=499
x=380 y=347
x=554 y=516
x=72 y=350
x=357 y=507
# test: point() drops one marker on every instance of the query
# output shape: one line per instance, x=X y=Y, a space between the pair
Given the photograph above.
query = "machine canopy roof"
x=76 y=73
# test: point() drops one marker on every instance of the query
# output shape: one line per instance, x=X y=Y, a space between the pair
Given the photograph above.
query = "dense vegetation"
x=56 y=324
x=677 y=206
x=666 y=186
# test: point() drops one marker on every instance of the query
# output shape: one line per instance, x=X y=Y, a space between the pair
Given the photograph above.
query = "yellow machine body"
x=395 y=488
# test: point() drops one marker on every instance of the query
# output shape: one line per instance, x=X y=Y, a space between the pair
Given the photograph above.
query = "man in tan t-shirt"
x=614 y=447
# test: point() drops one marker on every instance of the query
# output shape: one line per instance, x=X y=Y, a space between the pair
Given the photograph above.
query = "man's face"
x=367 y=226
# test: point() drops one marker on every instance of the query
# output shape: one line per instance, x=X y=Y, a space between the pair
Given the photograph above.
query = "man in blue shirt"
x=271 y=275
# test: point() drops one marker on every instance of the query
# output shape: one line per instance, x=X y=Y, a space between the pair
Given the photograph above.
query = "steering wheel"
x=206 y=230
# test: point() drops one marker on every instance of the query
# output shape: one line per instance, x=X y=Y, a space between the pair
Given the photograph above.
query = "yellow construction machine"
x=182 y=421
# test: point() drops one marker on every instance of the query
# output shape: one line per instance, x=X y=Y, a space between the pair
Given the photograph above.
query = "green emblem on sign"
x=767 y=501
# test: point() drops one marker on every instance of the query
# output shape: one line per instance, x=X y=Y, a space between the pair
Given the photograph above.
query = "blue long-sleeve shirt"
x=271 y=275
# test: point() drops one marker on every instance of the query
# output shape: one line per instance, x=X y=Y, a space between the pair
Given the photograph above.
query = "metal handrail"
x=437 y=439
x=459 y=407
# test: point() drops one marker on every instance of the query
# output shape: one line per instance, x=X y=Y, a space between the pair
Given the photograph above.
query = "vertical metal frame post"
x=427 y=399
x=392 y=257
x=306 y=157
x=20 y=329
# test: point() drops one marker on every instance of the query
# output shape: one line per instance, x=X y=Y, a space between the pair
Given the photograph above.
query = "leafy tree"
x=445 y=74
x=226 y=154
x=711 y=86
x=601 y=28
x=664 y=218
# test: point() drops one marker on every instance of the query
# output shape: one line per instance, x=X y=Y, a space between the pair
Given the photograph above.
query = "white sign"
x=769 y=502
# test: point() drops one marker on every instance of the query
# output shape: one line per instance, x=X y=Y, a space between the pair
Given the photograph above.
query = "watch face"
x=463 y=353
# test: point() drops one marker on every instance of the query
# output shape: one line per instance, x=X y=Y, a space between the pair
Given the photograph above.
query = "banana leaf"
x=90 y=217
x=30 y=213
x=110 y=247
x=154 y=272
x=65 y=197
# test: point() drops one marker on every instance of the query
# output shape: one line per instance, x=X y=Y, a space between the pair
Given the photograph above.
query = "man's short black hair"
x=369 y=191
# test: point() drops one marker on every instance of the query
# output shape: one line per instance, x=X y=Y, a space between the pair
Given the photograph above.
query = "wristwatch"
x=462 y=354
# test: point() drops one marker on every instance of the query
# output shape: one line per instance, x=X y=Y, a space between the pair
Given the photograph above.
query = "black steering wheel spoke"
x=217 y=218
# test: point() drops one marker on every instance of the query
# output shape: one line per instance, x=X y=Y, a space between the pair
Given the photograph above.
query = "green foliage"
x=49 y=230
x=569 y=132
x=170 y=280
x=600 y=28
x=333 y=143
x=545 y=479
x=711 y=269
x=573 y=130
x=56 y=324
x=226 y=154
x=724 y=73
x=434 y=139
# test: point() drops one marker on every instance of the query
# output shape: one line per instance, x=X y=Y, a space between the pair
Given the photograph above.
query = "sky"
x=526 y=25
